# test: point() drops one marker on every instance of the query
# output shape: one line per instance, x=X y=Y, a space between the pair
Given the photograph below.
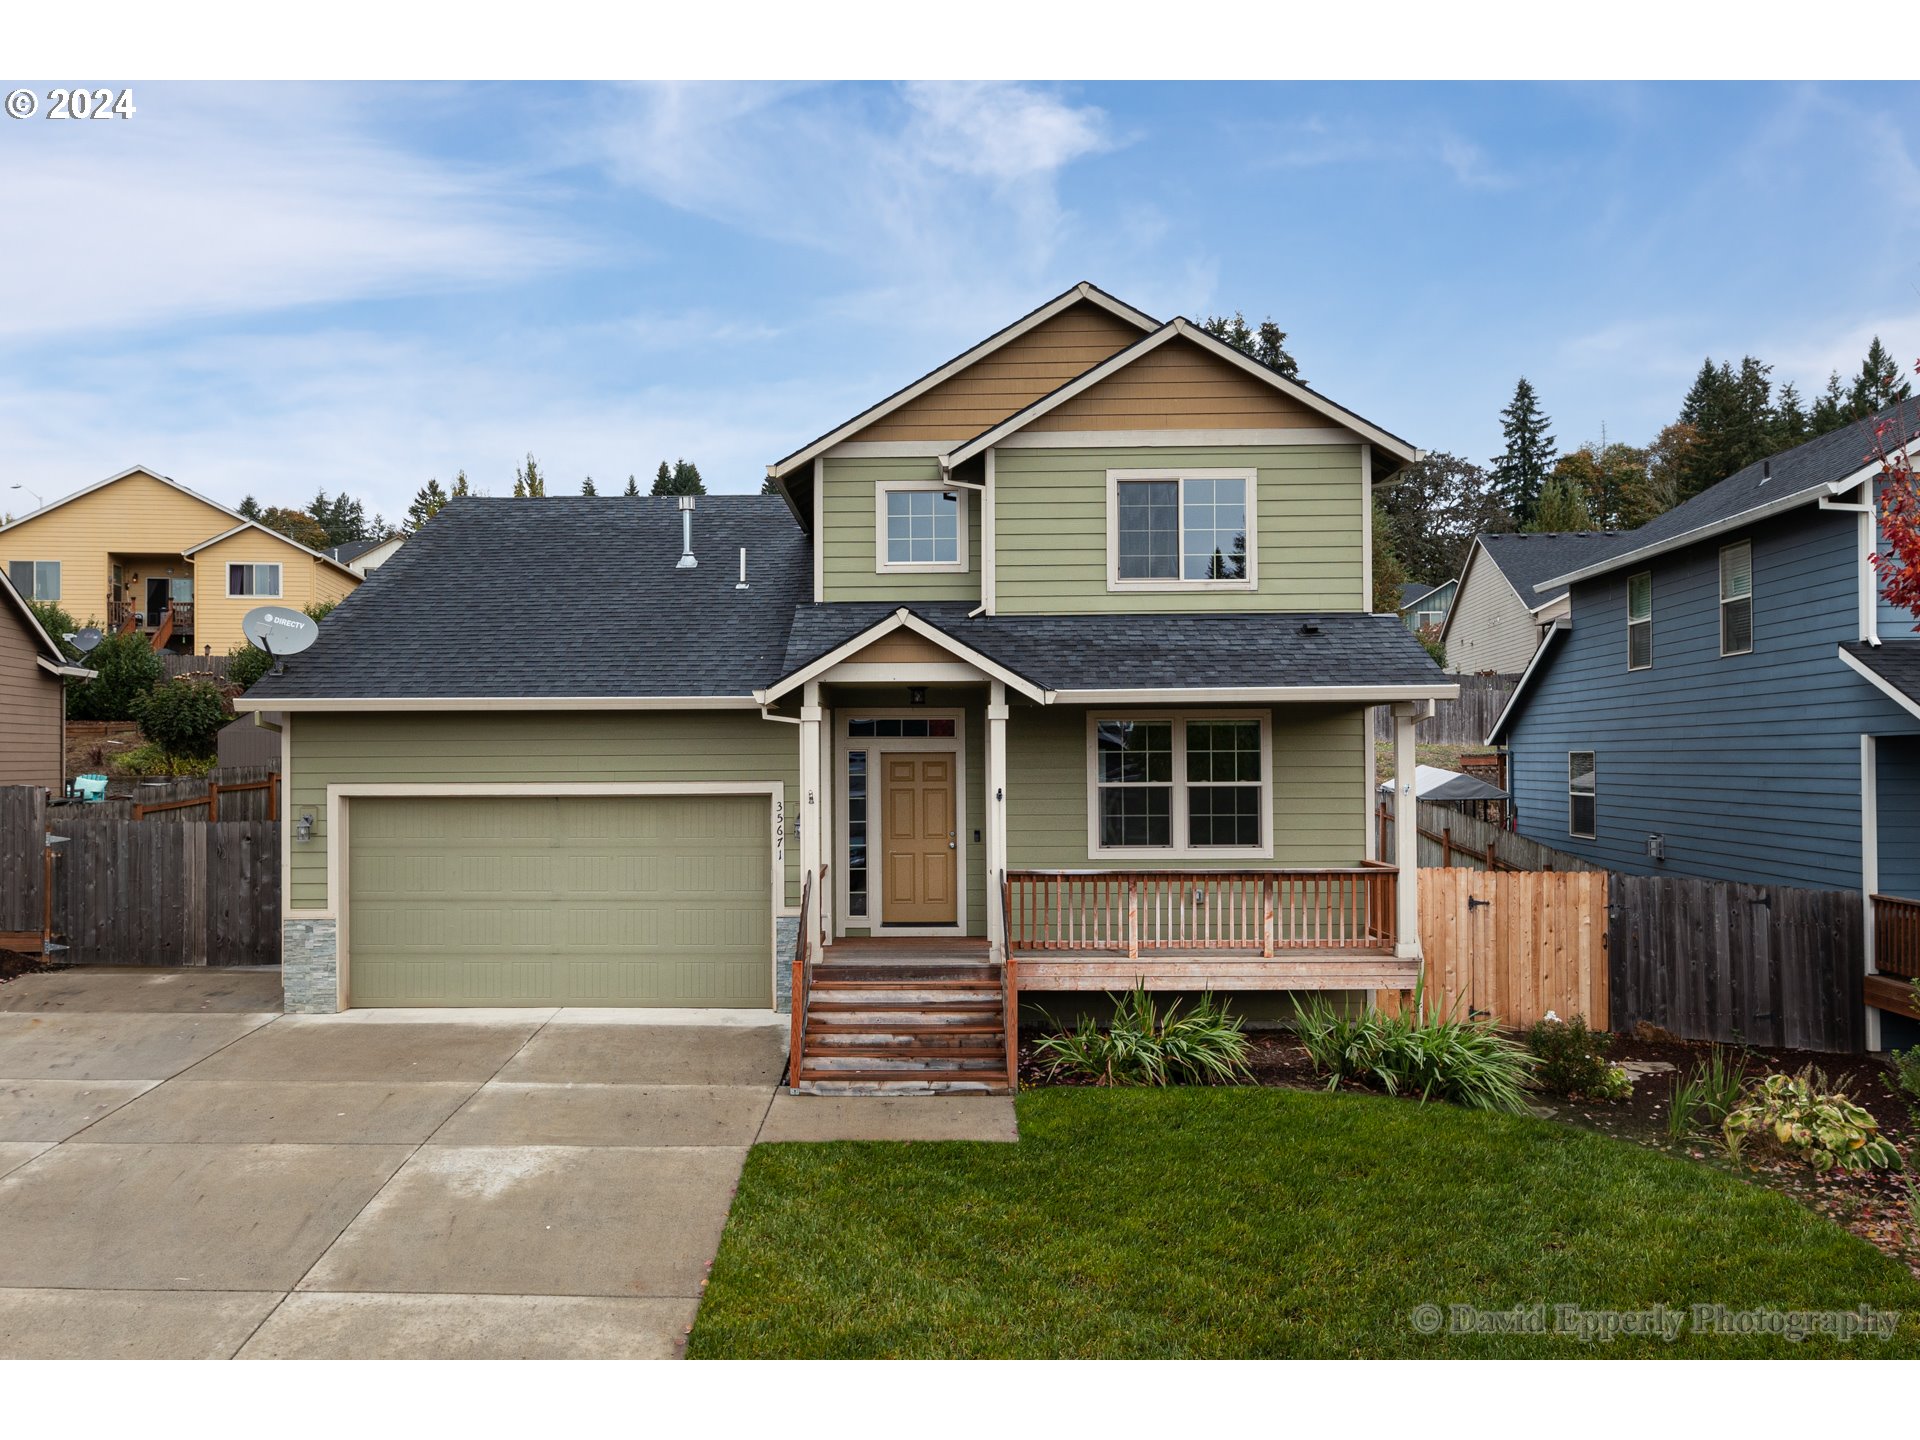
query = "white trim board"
x=1259 y=694
x=338 y=837
x=1559 y=627
x=899 y=619
x=314 y=705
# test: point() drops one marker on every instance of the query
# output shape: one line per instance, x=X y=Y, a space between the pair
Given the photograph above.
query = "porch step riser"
x=866 y=1087
x=905 y=1027
x=901 y=1021
x=909 y=999
x=905 y=1065
x=889 y=1042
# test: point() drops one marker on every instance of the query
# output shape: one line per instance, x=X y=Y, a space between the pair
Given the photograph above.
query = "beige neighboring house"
x=33 y=712
x=140 y=552
x=1499 y=615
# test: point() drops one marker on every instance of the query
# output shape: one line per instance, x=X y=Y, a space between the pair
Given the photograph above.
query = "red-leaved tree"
x=1898 y=565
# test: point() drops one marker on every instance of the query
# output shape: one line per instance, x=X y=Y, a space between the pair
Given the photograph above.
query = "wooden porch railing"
x=1896 y=936
x=1009 y=985
x=802 y=982
x=1259 y=912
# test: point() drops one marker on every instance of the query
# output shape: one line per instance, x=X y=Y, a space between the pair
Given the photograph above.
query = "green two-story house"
x=1051 y=671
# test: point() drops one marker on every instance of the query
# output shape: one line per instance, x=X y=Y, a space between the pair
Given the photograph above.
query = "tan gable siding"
x=902 y=647
x=29 y=708
x=1050 y=529
x=1011 y=378
x=1179 y=386
x=1489 y=629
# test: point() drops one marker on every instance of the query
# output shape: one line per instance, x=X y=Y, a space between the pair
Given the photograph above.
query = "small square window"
x=920 y=528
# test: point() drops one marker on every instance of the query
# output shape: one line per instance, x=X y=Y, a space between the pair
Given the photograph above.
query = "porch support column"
x=1406 y=834
x=810 y=808
x=996 y=790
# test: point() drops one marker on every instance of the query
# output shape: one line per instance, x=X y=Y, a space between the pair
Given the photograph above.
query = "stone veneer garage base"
x=310 y=964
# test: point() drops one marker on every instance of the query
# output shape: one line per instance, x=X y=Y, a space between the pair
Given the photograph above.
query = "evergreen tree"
x=1830 y=411
x=1562 y=507
x=460 y=487
x=663 y=479
x=428 y=501
x=1267 y=344
x=769 y=486
x=633 y=486
x=1521 y=469
x=1790 y=422
x=528 y=482
x=586 y=487
x=1731 y=414
x=250 y=508
x=1879 y=382
x=681 y=478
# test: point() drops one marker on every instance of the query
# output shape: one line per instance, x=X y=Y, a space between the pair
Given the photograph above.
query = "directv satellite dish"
x=279 y=631
x=85 y=640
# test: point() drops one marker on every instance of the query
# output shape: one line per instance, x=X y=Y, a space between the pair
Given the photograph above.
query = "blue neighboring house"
x=1423 y=605
x=1730 y=696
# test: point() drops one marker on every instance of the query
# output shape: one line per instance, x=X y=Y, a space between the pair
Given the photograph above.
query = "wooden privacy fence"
x=1464 y=721
x=1768 y=965
x=1514 y=944
x=1449 y=838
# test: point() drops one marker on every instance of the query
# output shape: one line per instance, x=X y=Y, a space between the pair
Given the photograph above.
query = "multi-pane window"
x=1580 y=794
x=263 y=580
x=895 y=727
x=1181 y=530
x=1179 y=784
x=36 y=579
x=1736 y=599
x=1134 y=769
x=920 y=528
x=1640 y=622
x=857 y=832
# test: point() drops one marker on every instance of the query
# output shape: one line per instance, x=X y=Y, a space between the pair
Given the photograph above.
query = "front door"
x=919 y=862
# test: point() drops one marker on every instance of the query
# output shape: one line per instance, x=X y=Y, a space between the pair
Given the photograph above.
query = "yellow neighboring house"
x=138 y=551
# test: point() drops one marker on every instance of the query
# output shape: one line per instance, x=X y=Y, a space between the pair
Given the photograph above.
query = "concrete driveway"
x=186 y=1172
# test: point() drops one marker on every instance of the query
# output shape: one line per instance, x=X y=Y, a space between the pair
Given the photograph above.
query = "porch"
x=151 y=595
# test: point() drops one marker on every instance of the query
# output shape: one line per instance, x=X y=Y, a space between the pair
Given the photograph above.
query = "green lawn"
x=1258 y=1222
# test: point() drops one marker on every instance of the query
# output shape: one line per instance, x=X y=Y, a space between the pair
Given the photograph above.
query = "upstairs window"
x=922 y=526
x=1581 y=794
x=1640 y=622
x=36 y=579
x=1174 y=530
x=260 y=580
x=1736 y=599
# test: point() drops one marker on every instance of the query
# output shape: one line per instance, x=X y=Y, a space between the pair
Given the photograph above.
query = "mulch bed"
x=1876 y=1206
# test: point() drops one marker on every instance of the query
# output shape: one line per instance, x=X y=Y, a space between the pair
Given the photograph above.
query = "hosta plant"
x=1804 y=1116
x=1148 y=1045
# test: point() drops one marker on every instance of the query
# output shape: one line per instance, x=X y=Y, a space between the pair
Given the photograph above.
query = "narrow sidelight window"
x=1736 y=599
x=1581 y=794
x=857 y=832
x=1640 y=622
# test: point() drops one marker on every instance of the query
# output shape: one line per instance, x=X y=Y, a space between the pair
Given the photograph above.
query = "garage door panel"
x=646 y=900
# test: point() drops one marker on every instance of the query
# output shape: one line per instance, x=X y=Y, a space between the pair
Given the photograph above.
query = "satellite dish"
x=279 y=631
x=85 y=640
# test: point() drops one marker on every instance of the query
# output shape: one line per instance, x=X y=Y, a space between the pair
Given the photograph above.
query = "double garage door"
x=627 y=900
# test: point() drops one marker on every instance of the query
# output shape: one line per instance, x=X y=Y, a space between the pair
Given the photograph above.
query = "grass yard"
x=1259 y=1222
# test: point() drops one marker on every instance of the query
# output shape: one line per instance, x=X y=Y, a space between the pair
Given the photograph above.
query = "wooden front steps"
x=894 y=1027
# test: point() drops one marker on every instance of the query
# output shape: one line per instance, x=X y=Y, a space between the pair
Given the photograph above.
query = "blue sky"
x=270 y=289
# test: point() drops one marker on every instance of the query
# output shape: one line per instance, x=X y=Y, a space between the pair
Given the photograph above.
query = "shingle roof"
x=1802 y=473
x=1895 y=662
x=1148 y=651
x=1528 y=559
x=1416 y=591
x=354 y=549
x=570 y=596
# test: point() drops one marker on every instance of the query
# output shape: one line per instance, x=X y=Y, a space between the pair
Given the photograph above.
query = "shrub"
x=1808 y=1117
x=150 y=762
x=184 y=717
x=1145 y=1046
x=56 y=622
x=246 y=664
x=1573 y=1061
x=126 y=669
x=1906 y=1074
x=1708 y=1094
x=1421 y=1051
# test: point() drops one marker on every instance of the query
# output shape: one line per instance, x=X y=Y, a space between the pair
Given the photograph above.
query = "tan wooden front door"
x=920 y=858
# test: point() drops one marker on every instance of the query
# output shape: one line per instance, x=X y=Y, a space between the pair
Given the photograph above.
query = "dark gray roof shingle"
x=570 y=596
x=1528 y=559
x=1148 y=651
x=1895 y=661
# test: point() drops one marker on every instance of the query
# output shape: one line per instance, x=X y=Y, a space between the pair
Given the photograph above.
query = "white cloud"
x=1315 y=141
x=231 y=200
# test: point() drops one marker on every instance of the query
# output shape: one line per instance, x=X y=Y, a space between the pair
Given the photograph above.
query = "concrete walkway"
x=184 y=1172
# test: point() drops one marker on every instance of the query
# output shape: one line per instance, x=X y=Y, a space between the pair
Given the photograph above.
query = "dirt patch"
x=13 y=965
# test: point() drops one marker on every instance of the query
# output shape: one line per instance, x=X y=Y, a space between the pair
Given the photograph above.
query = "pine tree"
x=428 y=502
x=1268 y=344
x=681 y=478
x=1790 y=422
x=1561 y=507
x=528 y=482
x=460 y=489
x=1879 y=382
x=250 y=508
x=1732 y=416
x=769 y=486
x=663 y=479
x=1521 y=469
x=586 y=487
x=1829 y=412
x=633 y=486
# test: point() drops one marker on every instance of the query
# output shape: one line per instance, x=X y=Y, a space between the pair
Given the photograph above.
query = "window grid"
x=1179 y=530
x=1179 y=785
x=920 y=527
x=1640 y=622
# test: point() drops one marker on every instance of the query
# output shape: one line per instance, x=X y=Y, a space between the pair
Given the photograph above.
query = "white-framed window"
x=919 y=526
x=1736 y=599
x=261 y=580
x=1640 y=621
x=1163 y=786
x=1582 y=795
x=1181 y=530
x=35 y=579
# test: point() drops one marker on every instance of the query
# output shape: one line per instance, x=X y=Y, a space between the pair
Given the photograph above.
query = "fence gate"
x=1515 y=944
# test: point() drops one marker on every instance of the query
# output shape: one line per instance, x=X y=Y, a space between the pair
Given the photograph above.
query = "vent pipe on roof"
x=743 y=569
x=687 y=562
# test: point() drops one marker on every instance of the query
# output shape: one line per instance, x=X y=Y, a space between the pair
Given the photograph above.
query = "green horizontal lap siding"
x=619 y=900
x=1050 y=529
x=847 y=536
x=1319 y=791
x=524 y=747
